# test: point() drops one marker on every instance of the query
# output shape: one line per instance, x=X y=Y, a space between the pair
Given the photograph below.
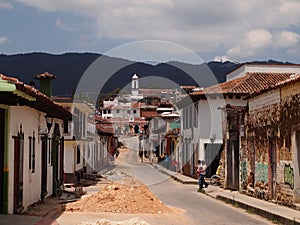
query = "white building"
x=31 y=145
x=84 y=152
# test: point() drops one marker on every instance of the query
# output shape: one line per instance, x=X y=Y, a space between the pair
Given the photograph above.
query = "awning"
x=6 y=86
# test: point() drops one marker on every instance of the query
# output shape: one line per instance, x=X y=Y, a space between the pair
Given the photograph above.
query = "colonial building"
x=201 y=134
x=270 y=150
x=82 y=142
x=31 y=144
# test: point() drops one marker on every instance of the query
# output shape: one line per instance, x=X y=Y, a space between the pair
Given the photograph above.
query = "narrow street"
x=177 y=203
x=197 y=208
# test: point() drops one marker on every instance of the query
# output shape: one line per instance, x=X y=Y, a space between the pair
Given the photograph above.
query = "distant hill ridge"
x=69 y=68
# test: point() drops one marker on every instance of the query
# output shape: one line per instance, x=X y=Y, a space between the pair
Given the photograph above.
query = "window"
x=185 y=118
x=134 y=111
x=195 y=115
x=83 y=125
x=32 y=153
x=78 y=154
x=49 y=150
x=104 y=111
x=190 y=116
x=118 y=110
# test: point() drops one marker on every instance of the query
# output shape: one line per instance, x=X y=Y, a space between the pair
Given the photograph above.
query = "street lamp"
x=212 y=138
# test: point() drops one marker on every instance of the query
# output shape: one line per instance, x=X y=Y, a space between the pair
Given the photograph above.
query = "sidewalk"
x=25 y=220
x=271 y=211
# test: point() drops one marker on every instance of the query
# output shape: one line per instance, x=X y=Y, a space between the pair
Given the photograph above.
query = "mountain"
x=69 y=68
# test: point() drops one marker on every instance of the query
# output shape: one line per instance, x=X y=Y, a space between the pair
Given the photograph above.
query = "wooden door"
x=44 y=166
x=233 y=164
x=272 y=167
x=18 y=171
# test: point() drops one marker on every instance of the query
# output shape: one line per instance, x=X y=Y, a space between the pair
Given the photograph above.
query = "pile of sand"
x=133 y=221
x=126 y=196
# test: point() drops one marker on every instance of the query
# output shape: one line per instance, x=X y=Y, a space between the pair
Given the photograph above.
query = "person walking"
x=201 y=170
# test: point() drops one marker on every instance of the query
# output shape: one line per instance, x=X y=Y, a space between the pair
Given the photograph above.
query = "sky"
x=235 y=30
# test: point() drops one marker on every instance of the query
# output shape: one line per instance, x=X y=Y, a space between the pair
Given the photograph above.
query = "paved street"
x=192 y=207
x=197 y=208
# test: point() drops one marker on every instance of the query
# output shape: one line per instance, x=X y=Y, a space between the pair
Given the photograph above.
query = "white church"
x=127 y=106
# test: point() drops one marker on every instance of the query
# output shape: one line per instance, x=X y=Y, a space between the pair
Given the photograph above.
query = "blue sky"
x=236 y=30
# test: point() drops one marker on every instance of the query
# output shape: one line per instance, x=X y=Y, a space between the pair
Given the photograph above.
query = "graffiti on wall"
x=289 y=175
x=244 y=174
x=261 y=172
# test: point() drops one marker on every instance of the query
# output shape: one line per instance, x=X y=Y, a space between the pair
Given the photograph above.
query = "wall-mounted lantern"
x=49 y=122
x=212 y=138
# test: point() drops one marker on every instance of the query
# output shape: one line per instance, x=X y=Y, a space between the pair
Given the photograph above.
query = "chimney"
x=46 y=83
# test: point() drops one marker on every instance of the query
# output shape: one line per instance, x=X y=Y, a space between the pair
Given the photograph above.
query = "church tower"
x=135 y=85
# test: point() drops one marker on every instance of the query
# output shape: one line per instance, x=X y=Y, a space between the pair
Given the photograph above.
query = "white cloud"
x=3 y=40
x=287 y=39
x=251 y=43
x=259 y=38
x=6 y=5
x=60 y=25
x=241 y=28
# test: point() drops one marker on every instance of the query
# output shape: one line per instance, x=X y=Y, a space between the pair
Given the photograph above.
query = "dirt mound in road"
x=126 y=196
x=133 y=221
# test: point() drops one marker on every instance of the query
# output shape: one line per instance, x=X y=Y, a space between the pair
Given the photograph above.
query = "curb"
x=266 y=214
x=251 y=209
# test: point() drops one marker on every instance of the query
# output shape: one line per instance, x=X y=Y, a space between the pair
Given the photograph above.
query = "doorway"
x=212 y=157
x=272 y=166
x=18 y=171
x=44 y=166
x=233 y=164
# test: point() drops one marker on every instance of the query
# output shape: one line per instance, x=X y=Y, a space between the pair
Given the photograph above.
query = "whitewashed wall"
x=210 y=120
x=69 y=157
x=262 y=68
x=30 y=119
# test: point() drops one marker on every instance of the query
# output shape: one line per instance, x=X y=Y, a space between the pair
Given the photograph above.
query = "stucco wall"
x=31 y=120
x=278 y=120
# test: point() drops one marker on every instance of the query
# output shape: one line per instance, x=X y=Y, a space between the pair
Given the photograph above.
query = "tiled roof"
x=45 y=75
x=42 y=103
x=293 y=78
x=105 y=129
x=148 y=113
x=188 y=87
x=154 y=92
x=64 y=99
x=104 y=126
x=136 y=105
x=248 y=84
